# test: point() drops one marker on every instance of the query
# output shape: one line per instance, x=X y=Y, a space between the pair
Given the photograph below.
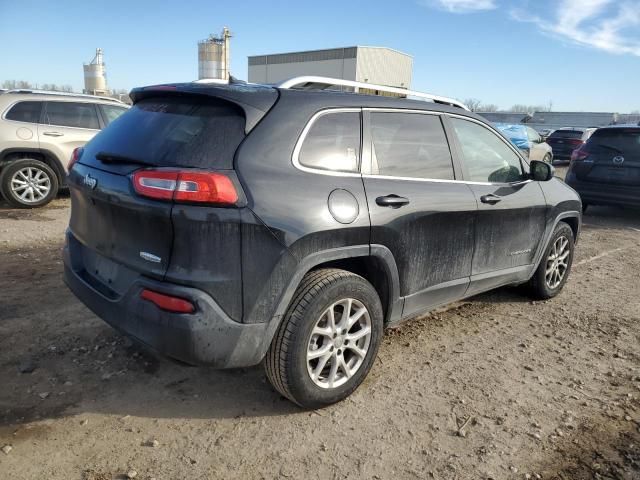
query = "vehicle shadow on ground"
x=612 y=217
x=58 y=359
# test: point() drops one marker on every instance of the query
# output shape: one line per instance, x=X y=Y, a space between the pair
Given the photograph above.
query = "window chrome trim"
x=303 y=136
x=328 y=111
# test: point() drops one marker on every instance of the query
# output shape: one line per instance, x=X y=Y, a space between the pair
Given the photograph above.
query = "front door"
x=417 y=210
x=512 y=209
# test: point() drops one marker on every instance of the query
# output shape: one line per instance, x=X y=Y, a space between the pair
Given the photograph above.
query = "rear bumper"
x=605 y=194
x=206 y=337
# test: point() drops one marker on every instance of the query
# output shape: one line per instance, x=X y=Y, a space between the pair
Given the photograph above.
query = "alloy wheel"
x=557 y=262
x=339 y=343
x=30 y=184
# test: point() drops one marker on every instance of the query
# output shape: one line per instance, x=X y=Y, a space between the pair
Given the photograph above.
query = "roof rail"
x=62 y=94
x=315 y=82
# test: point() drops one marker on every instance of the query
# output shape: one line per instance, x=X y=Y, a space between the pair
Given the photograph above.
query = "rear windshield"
x=567 y=134
x=623 y=140
x=175 y=132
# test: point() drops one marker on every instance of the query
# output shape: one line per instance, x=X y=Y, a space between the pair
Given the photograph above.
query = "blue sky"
x=579 y=54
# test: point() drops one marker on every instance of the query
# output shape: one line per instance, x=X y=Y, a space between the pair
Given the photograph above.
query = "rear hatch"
x=564 y=142
x=612 y=156
x=151 y=231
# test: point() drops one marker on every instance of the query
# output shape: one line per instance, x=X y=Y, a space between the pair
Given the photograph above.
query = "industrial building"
x=376 y=65
x=214 y=56
x=95 y=76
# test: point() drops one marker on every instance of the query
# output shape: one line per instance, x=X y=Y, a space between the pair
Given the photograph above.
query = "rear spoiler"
x=255 y=100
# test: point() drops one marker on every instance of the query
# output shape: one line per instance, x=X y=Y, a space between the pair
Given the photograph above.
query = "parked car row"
x=38 y=132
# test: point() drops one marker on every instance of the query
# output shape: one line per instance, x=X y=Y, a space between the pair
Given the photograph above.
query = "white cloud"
x=609 y=25
x=461 y=6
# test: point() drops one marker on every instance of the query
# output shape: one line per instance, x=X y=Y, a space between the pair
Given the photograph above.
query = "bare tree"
x=518 y=108
x=488 y=108
x=13 y=84
x=473 y=104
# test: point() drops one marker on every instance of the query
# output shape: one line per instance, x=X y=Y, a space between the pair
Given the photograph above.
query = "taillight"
x=575 y=142
x=168 y=302
x=580 y=154
x=75 y=156
x=185 y=186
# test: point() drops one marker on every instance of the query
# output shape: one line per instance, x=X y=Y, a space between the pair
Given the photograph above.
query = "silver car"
x=38 y=134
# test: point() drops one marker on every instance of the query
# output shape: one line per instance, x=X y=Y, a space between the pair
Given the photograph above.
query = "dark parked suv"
x=228 y=225
x=606 y=169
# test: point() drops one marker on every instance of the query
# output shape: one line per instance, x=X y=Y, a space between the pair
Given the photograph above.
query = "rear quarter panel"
x=292 y=219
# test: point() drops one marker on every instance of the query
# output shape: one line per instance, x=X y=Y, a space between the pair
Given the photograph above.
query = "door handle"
x=491 y=199
x=53 y=134
x=393 y=201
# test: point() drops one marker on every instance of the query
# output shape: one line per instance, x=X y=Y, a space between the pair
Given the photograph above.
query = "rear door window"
x=409 y=145
x=198 y=132
x=25 y=112
x=486 y=156
x=333 y=143
x=72 y=114
x=111 y=112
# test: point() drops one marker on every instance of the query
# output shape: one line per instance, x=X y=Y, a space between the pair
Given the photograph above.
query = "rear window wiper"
x=106 y=157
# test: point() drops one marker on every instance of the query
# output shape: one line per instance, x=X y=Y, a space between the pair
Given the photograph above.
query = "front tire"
x=555 y=266
x=328 y=339
x=28 y=183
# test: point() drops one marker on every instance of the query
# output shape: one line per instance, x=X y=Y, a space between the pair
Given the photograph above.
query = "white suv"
x=38 y=133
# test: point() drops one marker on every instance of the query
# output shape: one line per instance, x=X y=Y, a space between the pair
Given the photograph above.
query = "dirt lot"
x=545 y=390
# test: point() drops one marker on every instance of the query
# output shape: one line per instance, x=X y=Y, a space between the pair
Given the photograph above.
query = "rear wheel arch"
x=375 y=263
x=373 y=270
x=44 y=156
x=574 y=223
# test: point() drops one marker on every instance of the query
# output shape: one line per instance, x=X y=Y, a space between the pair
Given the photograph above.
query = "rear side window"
x=198 y=132
x=333 y=143
x=111 y=113
x=567 y=134
x=25 y=112
x=409 y=145
x=72 y=114
x=623 y=140
x=486 y=156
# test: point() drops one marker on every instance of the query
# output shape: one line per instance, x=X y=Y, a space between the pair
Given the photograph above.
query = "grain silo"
x=213 y=56
x=95 y=76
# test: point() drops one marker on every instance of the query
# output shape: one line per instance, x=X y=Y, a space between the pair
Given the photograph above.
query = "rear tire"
x=315 y=362
x=555 y=266
x=28 y=183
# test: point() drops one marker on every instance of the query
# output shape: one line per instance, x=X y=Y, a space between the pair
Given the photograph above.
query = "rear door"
x=511 y=208
x=417 y=209
x=612 y=157
x=66 y=126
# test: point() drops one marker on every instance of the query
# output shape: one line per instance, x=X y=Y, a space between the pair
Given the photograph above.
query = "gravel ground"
x=497 y=387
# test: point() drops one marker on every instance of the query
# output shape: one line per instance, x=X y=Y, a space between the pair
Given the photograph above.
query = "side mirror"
x=541 y=171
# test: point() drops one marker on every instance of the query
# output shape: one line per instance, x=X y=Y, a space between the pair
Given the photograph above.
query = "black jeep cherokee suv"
x=227 y=225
